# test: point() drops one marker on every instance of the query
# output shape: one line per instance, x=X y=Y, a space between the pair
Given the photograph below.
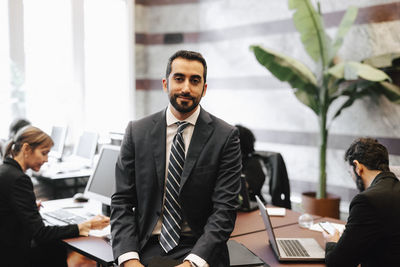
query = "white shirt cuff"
x=128 y=256
x=199 y=262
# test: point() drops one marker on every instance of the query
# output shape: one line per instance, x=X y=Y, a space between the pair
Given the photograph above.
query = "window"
x=5 y=86
x=77 y=64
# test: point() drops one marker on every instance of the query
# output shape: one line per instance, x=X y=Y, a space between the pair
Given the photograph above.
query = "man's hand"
x=185 y=264
x=97 y=222
x=132 y=263
x=331 y=238
x=39 y=204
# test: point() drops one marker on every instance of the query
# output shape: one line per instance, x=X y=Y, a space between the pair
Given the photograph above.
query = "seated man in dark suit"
x=177 y=178
x=372 y=235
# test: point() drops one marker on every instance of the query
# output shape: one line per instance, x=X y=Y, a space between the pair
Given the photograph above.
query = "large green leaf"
x=311 y=27
x=363 y=88
x=352 y=70
x=391 y=91
x=382 y=61
x=353 y=91
x=308 y=100
x=347 y=21
x=287 y=69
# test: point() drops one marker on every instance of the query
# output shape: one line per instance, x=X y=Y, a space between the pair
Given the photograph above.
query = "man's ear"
x=204 y=90
x=165 y=85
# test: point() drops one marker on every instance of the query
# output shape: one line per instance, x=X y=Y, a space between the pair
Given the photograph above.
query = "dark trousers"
x=152 y=253
x=49 y=255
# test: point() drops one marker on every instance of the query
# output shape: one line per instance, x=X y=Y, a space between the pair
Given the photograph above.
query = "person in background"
x=177 y=178
x=14 y=127
x=25 y=240
x=372 y=234
x=251 y=163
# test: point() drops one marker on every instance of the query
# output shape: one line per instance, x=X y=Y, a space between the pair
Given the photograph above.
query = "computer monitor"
x=58 y=134
x=101 y=184
x=86 y=147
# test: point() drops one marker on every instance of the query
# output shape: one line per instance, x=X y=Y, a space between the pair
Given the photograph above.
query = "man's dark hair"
x=247 y=140
x=16 y=125
x=370 y=152
x=190 y=55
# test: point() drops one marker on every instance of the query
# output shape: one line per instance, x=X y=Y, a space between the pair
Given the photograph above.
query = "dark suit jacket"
x=372 y=235
x=209 y=190
x=20 y=221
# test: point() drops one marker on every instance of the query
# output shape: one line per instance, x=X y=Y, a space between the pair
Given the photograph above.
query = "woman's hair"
x=31 y=135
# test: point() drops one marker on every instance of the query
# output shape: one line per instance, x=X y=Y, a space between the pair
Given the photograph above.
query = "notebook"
x=291 y=249
x=239 y=256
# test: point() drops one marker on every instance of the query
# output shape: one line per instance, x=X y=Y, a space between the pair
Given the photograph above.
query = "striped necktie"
x=172 y=215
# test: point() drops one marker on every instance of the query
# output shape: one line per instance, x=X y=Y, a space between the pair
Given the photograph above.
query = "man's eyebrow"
x=179 y=74
x=196 y=76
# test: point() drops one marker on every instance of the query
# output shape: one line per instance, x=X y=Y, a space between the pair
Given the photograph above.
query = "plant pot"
x=325 y=207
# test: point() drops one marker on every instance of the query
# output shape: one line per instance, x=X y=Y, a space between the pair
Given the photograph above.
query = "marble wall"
x=241 y=91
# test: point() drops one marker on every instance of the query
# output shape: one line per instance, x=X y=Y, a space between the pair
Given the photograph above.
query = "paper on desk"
x=101 y=233
x=338 y=226
x=276 y=211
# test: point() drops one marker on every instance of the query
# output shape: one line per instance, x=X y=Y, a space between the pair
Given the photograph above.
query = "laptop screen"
x=268 y=225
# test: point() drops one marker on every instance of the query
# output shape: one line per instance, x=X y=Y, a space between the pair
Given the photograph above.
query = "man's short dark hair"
x=190 y=55
x=16 y=125
x=370 y=152
x=247 y=140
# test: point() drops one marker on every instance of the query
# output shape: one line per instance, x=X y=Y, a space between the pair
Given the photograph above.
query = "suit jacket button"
x=158 y=213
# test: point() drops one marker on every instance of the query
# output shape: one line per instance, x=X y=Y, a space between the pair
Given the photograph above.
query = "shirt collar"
x=171 y=119
x=383 y=175
x=11 y=161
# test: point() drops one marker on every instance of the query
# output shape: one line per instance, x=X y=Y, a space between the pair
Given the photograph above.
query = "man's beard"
x=185 y=108
x=359 y=181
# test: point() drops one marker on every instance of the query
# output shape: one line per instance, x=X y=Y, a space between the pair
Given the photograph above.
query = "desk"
x=258 y=242
x=95 y=248
x=250 y=222
x=60 y=183
x=249 y=230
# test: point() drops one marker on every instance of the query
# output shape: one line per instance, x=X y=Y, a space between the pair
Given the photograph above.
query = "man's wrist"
x=132 y=255
x=196 y=261
x=188 y=263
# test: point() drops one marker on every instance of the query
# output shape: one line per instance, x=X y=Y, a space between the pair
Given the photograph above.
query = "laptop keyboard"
x=65 y=216
x=293 y=248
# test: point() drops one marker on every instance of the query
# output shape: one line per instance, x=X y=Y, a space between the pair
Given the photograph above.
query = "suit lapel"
x=158 y=137
x=201 y=133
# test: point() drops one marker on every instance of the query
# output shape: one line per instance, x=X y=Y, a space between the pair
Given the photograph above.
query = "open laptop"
x=247 y=204
x=291 y=249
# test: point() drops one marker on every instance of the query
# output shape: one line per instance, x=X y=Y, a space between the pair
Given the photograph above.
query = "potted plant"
x=330 y=82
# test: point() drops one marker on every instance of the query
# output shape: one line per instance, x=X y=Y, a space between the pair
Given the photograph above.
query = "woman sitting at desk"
x=24 y=239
